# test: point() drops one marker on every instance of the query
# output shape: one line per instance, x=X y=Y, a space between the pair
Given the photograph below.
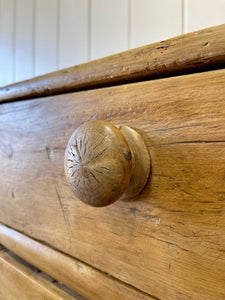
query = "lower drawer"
x=169 y=241
x=73 y=273
x=19 y=280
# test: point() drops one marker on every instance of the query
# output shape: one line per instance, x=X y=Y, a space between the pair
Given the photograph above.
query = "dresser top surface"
x=198 y=51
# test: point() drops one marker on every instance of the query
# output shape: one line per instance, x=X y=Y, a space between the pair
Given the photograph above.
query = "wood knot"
x=128 y=155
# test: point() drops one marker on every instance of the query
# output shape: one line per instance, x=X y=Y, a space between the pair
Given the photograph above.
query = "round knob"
x=104 y=163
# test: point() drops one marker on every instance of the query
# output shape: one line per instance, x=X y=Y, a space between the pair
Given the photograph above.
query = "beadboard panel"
x=46 y=53
x=202 y=13
x=7 y=27
x=40 y=36
x=73 y=35
x=109 y=27
x=24 y=40
x=154 y=20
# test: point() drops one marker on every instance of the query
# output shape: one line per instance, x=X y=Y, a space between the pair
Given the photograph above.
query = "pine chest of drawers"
x=168 y=242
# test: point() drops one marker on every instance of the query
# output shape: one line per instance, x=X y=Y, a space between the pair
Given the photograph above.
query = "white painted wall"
x=40 y=36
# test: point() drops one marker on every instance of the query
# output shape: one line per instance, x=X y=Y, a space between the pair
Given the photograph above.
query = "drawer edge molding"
x=192 y=52
x=77 y=275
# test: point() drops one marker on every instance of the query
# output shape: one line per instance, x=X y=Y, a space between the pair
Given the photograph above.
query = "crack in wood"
x=66 y=221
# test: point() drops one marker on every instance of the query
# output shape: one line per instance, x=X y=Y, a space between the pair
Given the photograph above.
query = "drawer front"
x=19 y=280
x=72 y=273
x=168 y=242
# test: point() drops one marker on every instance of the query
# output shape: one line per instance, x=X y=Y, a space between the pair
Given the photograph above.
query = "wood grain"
x=103 y=163
x=192 y=52
x=73 y=273
x=98 y=163
x=18 y=280
x=169 y=243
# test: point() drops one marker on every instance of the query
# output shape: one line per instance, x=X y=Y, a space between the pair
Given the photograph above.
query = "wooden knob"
x=104 y=163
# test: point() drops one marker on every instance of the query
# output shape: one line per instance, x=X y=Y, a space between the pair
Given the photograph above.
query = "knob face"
x=98 y=163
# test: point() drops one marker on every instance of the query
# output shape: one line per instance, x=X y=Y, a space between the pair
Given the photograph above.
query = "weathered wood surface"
x=169 y=242
x=19 y=280
x=192 y=52
x=73 y=273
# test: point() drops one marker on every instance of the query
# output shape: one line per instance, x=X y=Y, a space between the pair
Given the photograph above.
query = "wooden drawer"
x=168 y=242
x=19 y=280
x=65 y=269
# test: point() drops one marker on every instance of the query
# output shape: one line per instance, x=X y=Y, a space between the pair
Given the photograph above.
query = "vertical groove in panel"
x=14 y=41
x=7 y=27
x=89 y=29
x=109 y=27
x=184 y=16
x=46 y=36
x=58 y=22
x=73 y=32
x=34 y=39
x=155 y=20
x=129 y=24
x=23 y=40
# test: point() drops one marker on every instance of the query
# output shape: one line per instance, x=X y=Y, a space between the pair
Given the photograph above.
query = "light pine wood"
x=168 y=243
x=192 y=52
x=75 y=274
x=18 y=280
x=141 y=162
x=98 y=163
x=101 y=159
